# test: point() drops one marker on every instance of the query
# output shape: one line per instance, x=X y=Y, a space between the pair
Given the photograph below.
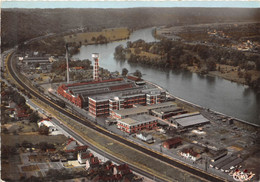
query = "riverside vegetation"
x=168 y=54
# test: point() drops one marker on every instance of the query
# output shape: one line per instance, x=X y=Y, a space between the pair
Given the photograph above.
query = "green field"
x=112 y=34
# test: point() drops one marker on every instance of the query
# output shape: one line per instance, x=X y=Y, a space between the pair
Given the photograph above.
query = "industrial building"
x=167 y=112
x=101 y=97
x=189 y=120
x=139 y=110
x=173 y=142
x=226 y=163
x=137 y=123
x=40 y=60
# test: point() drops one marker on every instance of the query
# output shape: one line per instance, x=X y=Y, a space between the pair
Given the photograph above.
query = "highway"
x=196 y=172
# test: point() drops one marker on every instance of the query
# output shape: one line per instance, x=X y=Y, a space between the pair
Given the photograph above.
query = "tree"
x=138 y=74
x=137 y=50
x=248 y=77
x=93 y=38
x=119 y=53
x=258 y=65
x=240 y=74
x=18 y=99
x=34 y=117
x=43 y=130
x=26 y=144
x=211 y=64
x=124 y=71
x=44 y=146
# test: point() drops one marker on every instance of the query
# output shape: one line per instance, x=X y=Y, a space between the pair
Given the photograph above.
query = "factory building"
x=140 y=110
x=167 y=112
x=137 y=123
x=40 y=60
x=103 y=97
x=107 y=104
x=189 y=120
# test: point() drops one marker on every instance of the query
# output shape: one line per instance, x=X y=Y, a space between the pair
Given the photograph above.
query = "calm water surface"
x=211 y=92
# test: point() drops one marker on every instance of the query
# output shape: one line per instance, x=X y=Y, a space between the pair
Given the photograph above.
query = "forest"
x=19 y=25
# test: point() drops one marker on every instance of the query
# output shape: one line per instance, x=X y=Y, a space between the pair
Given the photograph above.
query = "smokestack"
x=67 y=61
x=95 y=56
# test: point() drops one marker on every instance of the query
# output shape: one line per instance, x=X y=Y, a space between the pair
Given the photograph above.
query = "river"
x=215 y=93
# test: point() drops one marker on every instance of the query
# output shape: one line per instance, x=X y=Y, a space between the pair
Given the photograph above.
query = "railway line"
x=193 y=171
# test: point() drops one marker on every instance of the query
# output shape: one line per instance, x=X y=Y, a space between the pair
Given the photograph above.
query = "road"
x=189 y=169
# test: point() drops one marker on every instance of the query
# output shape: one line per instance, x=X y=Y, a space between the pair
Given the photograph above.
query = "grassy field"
x=146 y=54
x=112 y=34
x=33 y=138
x=231 y=73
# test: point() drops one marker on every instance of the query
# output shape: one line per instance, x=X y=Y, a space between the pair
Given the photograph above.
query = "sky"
x=127 y=4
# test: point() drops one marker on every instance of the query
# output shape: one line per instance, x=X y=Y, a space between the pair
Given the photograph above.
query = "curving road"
x=190 y=169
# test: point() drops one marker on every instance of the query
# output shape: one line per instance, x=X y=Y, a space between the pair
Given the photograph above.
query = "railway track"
x=194 y=171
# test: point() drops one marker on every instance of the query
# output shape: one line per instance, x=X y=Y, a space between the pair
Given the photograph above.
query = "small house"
x=70 y=145
x=122 y=169
x=190 y=154
x=145 y=137
x=84 y=156
x=48 y=124
x=92 y=163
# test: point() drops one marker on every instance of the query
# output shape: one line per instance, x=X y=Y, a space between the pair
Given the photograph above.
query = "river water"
x=215 y=93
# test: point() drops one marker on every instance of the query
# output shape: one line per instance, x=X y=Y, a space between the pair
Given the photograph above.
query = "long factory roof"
x=190 y=120
x=143 y=109
x=139 y=119
x=136 y=91
x=96 y=88
x=108 y=89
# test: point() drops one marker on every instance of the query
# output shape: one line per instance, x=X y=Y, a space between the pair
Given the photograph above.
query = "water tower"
x=95 y=56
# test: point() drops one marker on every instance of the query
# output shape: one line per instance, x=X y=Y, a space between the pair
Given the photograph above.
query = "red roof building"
x=83 y=157
x=173 y=142
x=92 y=163
x=122 y=169
x=189 y=153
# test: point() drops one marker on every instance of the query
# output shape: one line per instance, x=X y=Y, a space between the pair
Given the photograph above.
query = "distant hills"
x=22 y=24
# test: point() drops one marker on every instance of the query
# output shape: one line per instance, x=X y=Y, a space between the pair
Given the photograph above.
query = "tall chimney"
x=67 y=61
x=95 y=56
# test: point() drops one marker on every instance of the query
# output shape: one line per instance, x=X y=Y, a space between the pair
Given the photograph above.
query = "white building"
x=52 y=128
x=144 y=137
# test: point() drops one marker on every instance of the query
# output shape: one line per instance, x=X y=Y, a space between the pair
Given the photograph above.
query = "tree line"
x=179 y=55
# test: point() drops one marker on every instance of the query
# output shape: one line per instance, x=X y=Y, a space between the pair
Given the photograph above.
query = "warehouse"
x=40 y=60
x=232 y=164
x=225 y=162
x=189 y=120
x=137 y=123
x=125 y=113
x=167 y=112
x=215 y=163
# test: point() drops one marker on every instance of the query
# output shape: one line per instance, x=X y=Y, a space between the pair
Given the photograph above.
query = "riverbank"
x=224 y=118
x=207 y=91
x=230 y=73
